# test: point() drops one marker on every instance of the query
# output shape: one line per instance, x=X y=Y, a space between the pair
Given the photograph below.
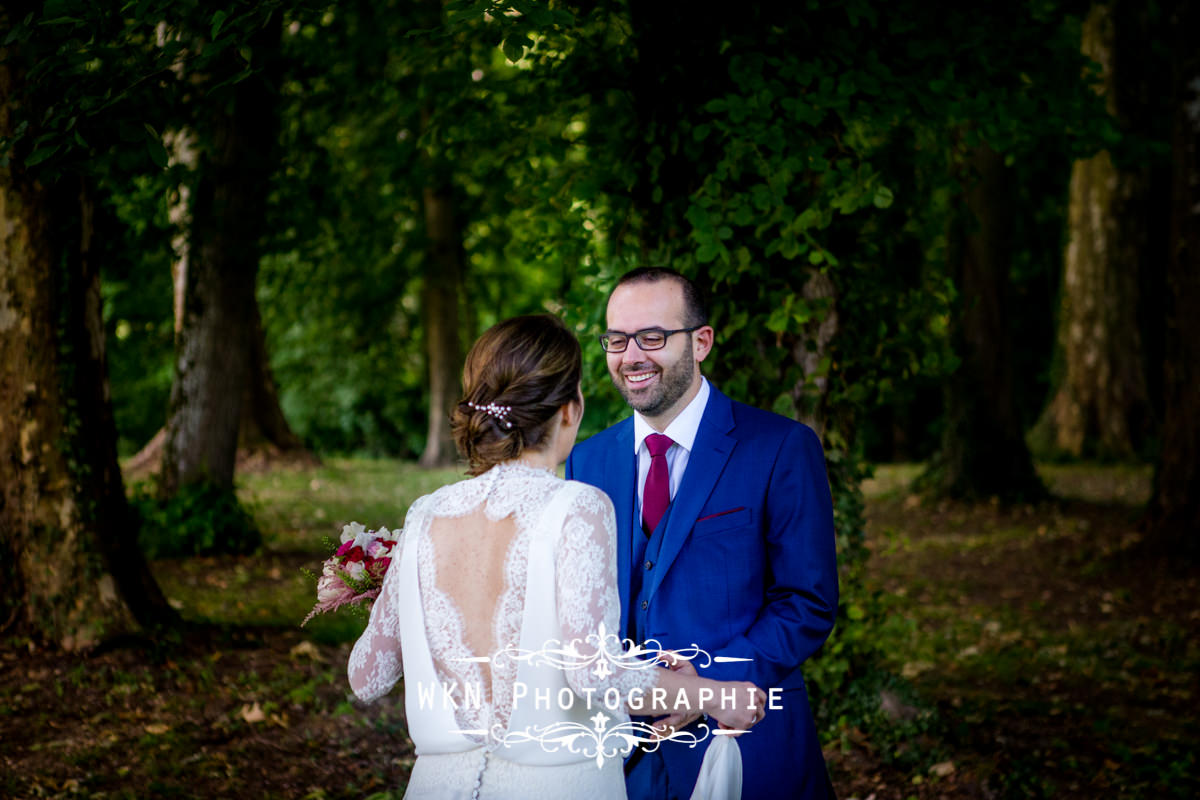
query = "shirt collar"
x=683 y=428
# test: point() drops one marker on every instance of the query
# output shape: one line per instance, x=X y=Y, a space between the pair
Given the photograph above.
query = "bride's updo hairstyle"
x=517 y=376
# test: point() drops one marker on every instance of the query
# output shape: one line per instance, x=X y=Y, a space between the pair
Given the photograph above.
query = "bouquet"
x=353 y=575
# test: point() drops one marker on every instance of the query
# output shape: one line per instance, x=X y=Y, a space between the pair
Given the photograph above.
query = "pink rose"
x=330 y=588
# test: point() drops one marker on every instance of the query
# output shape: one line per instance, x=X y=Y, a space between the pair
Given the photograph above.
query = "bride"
x=502 y=606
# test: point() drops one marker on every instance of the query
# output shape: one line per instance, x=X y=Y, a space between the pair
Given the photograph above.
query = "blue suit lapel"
x=705 y=464
x=621 y=465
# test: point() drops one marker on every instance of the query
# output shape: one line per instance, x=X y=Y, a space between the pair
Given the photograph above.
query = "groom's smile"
x=640 y=383
x=638 y=375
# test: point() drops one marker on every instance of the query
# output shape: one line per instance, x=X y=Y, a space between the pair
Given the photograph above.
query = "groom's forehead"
x=646 y=305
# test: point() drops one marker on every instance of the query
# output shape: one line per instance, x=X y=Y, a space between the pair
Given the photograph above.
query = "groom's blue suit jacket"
x=745 y=568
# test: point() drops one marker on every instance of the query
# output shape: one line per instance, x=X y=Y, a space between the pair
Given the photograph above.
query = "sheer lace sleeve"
x=376 y=663
x=586 y=576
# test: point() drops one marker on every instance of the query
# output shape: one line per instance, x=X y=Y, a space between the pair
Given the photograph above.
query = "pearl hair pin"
x=497 y=411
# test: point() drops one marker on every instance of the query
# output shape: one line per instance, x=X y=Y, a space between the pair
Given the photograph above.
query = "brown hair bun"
x=519 y=373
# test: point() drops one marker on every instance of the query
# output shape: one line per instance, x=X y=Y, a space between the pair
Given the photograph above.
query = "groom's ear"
x=703 y=343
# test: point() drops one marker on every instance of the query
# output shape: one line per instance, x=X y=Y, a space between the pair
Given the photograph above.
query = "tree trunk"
x=182 y=147
x=983 y=447
x=1173 y=518
x=71 y=569
x=215 y=347
x=443 y=288
x=265 y=433
x=1102 y=406
x=264 y=436
x=264 y=429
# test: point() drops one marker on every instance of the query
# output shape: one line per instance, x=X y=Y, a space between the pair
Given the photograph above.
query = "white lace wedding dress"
x=493 y=573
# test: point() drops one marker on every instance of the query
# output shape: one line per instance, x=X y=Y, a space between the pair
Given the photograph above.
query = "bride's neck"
x=542 y=459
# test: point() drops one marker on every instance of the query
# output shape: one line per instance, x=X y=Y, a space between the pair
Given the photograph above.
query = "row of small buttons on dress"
x=479 y=777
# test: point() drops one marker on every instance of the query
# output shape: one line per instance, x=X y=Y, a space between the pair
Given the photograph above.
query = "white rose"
x=352 y=531
x=363 y=538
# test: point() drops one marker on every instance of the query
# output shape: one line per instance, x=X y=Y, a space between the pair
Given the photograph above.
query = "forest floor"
x=1059 y=658
x=1046 y=654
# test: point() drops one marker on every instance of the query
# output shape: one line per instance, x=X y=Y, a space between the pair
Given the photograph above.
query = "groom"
x=724 y=535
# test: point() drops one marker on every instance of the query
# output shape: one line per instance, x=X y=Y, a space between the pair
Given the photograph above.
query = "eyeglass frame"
x=634 y=337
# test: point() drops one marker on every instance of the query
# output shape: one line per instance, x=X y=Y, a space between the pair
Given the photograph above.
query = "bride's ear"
x=572 y=412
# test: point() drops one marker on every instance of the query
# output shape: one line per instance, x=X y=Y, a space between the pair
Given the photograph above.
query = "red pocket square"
x=722 y=513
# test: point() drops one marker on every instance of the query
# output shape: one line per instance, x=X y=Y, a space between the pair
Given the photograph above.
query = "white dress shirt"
x=682 y=432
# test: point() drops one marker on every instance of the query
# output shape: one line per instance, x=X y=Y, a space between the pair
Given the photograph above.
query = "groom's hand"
x=665 y=726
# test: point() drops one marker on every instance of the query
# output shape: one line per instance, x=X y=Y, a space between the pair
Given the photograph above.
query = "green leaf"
x=808 y=218
x=158 y=153
x=218 y=20
x=883 y=197
x=699 y=219
x=41 y=154
x=514 y=47
x=778 y=321
x=13 y=34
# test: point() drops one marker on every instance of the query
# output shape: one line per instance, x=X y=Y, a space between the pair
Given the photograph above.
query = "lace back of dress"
x=472 y=557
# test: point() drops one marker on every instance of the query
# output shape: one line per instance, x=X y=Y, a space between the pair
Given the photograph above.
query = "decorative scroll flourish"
x=600 y=741
x=606 y=653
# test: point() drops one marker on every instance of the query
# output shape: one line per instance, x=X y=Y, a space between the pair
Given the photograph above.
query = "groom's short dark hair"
x=694 y=305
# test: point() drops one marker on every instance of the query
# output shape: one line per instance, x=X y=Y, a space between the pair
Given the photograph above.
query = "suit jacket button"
x=649 y=564
x=645 y=604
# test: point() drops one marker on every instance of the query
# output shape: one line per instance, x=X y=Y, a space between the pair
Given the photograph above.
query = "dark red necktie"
x=656 y=495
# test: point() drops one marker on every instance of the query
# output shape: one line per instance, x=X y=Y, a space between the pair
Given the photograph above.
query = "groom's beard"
x=673 y=383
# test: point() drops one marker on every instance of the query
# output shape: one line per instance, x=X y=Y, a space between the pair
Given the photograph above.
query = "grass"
x=301 y=512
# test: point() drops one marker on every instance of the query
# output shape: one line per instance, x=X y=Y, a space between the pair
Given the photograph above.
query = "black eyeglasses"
x=648 y=339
